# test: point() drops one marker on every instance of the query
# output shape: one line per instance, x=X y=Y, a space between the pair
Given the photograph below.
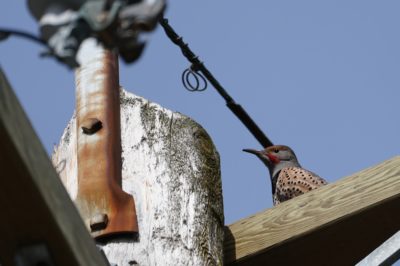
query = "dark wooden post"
x=39 y=224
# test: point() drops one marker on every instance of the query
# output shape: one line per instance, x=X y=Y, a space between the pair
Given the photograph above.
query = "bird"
x=288 y=178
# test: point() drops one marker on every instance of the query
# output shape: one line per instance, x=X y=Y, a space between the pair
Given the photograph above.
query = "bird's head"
x=276 y=157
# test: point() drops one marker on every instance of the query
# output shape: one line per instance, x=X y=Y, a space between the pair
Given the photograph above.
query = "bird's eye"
x=276 y=150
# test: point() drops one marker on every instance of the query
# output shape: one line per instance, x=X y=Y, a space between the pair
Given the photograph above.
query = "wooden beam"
x=338 y=224
x=36 y=211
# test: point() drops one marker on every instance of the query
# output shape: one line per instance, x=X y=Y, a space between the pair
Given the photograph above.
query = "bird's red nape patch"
x=273 y=158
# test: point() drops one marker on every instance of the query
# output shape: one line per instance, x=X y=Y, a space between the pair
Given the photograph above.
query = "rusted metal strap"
x=105 y=207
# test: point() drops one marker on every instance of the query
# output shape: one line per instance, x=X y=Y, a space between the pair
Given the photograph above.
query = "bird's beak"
x=255 y=152
x=260 y=155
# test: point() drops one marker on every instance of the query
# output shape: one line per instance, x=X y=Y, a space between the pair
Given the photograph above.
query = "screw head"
x=91 y=126
x=98 y=222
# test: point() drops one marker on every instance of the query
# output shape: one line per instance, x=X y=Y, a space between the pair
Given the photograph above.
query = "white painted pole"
x=171 y=167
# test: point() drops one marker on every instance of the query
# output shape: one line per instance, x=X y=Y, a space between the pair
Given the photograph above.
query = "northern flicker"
x=288 y=178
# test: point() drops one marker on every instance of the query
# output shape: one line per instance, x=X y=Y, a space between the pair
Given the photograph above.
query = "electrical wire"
x=198 y=71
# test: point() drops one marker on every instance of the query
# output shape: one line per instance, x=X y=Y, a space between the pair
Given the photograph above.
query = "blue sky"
x=319 y=76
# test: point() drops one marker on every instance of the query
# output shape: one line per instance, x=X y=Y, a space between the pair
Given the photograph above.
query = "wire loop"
x=193 y=80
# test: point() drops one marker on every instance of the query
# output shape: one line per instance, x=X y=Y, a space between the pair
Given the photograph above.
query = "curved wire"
x=5 y=33
x=198 y=67
x=193 y=80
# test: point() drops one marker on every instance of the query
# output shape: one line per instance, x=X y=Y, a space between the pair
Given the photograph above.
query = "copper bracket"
x=105 y=207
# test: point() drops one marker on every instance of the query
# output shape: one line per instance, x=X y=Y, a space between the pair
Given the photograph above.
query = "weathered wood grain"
x=337 y=224
x=34 y=206
x=171 y=167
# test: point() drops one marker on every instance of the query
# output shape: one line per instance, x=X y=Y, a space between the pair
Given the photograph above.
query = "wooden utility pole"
x=171 y=167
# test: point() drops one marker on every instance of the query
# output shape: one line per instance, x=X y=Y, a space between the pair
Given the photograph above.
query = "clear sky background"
x=319 y=76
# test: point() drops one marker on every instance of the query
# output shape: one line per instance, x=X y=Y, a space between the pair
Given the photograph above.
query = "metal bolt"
x=91 y=126
x=98 y=222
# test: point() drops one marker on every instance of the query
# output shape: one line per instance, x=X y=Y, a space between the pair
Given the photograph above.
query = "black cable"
x=197 y=65
x=49 y=52
x=5 y=33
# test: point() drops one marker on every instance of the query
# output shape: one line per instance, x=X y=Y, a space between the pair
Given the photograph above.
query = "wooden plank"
x=35 y=207
x=338 y=224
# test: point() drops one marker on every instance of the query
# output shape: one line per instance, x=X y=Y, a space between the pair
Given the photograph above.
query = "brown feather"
x=295 y=181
